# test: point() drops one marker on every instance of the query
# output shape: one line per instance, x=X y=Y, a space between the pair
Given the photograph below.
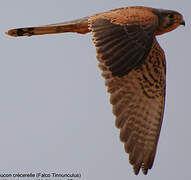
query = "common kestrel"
x=133 y=65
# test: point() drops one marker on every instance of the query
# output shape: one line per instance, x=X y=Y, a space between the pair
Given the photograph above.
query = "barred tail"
x=78 y=26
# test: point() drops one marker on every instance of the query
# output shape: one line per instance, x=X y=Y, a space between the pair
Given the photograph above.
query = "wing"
x=133 y=66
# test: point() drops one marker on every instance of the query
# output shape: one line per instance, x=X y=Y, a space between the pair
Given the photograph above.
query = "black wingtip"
x=144 y=169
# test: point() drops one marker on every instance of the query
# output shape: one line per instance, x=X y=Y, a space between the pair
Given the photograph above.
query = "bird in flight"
x=134 y=67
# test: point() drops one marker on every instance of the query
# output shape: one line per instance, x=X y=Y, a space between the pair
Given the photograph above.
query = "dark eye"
x=171 y=16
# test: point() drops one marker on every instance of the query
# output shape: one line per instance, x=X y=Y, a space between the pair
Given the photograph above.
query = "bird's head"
x=168 y=20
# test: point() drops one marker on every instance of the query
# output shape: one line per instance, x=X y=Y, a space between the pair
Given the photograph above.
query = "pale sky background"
x=54 y=110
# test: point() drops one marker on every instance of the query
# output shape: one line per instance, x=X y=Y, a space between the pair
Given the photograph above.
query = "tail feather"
x=78 y=26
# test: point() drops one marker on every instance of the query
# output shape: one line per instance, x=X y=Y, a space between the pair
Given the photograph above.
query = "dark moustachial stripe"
x=169 y=24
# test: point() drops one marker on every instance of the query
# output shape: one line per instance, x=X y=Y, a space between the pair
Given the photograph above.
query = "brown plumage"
x=134 y=67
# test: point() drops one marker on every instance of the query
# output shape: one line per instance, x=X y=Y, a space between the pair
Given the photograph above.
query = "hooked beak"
x=183 y=23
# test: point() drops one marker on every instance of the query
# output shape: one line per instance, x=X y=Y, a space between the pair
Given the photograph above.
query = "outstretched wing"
x=133 y=66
